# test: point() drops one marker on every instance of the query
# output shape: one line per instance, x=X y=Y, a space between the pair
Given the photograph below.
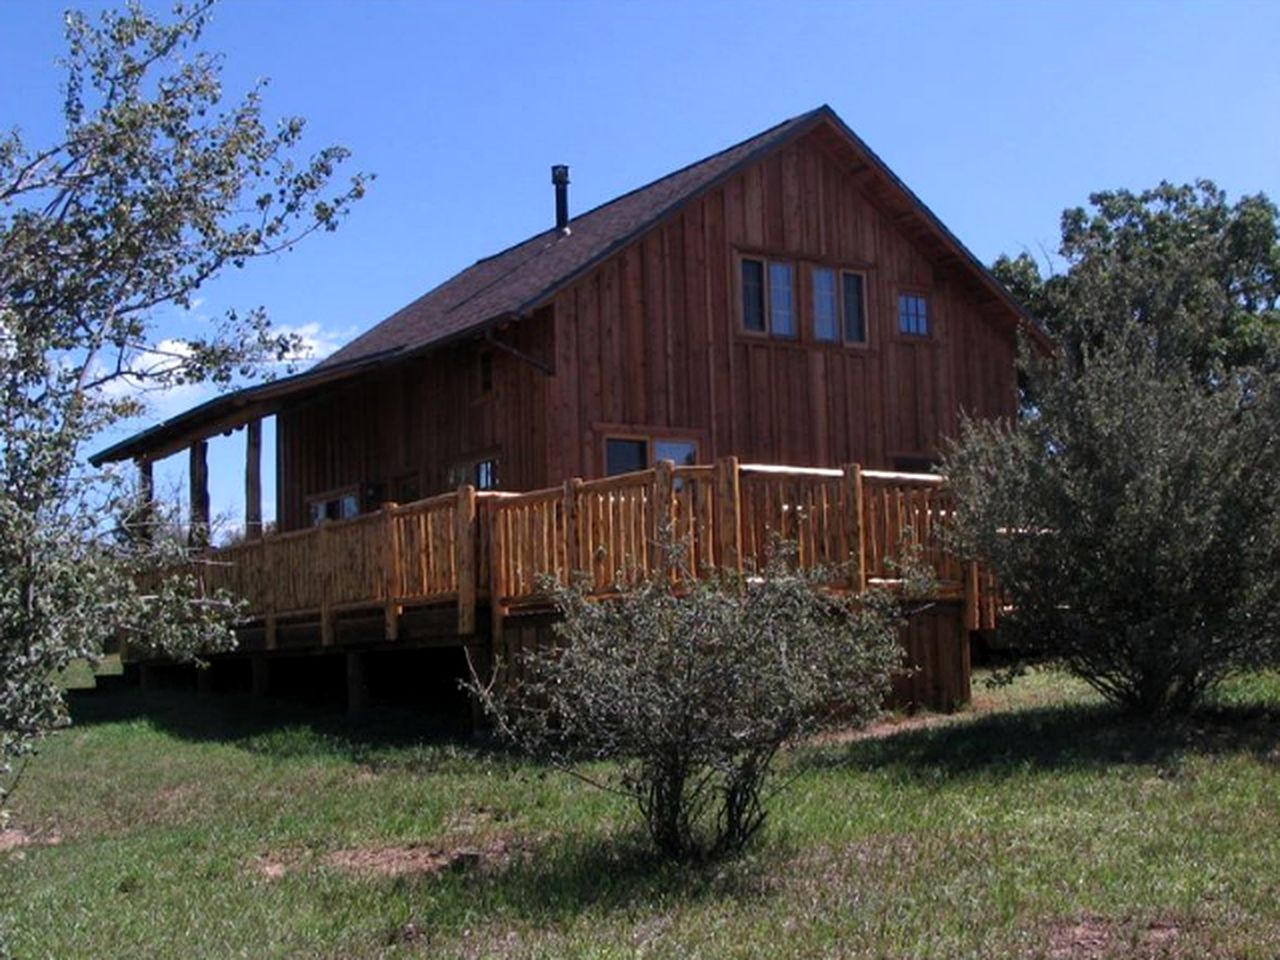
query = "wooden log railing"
x=465 y=547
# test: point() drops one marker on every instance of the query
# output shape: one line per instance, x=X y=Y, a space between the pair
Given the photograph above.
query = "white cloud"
x=317 y=341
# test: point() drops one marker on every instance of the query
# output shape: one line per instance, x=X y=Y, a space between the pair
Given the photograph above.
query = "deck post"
x=572 y=544
x=198 y=531
x=260 y=676
x=253 y=480
x=663 y=534
x=728 y=514
x=497 y=575
x=391 y=571
x=326 y=585
x=269 y=591
x=465 y=549
x=357 y=685
x=855 y=526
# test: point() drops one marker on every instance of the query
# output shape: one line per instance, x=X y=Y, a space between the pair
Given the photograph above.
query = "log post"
x=728 y=513
x=391 y=589
x=198 y=532
x=464 y=551
x=663 y=534
x=326 y=584
x=269 y=575
x=253 y=480
x=497 y=571
x=572 y=544
x=972 y=616
x=855 y=526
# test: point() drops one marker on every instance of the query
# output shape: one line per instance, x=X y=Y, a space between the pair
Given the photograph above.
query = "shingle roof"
x=511 y=283
x=520 y=277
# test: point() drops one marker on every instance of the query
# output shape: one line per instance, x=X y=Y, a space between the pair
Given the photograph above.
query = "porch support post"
x=198 y=533
x=253 y=480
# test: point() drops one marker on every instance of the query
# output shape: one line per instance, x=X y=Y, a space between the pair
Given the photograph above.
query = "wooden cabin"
x=787 y=301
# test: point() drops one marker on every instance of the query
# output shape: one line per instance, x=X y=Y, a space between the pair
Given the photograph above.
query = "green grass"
x=1041 y=823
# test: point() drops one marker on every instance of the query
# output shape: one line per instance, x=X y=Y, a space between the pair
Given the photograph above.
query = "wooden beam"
x=728 y=513
x=146 y=517
x=198 y=531
x=465 y=550
x=856 y=526
x=253 y=480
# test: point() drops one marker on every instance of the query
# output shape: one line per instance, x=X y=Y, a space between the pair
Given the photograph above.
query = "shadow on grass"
x=386 y=737
x=615 y=873
x=1060 y=738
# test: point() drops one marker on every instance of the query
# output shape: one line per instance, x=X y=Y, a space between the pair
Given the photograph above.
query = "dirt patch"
x=271 y=867
x=1096 y=938
x=15 y=838
x=421 y=859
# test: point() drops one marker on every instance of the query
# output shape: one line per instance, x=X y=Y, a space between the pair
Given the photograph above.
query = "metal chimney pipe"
x=560 y=177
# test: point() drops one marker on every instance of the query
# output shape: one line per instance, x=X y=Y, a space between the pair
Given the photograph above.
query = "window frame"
x=336 y=495
x=931 y=317
x=804 y=299
x=651 y=438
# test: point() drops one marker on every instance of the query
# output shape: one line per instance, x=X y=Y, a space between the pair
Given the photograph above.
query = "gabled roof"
x=510 y=284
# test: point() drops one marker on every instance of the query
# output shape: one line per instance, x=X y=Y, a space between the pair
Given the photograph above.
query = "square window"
x=486 y=475
x=913 y=314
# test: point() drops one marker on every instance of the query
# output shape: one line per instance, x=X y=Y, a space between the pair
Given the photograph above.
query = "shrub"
x=1134 y=523
x=692 y=687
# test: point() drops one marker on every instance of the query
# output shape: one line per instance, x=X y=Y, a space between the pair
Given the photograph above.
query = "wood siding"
x=648 y=343
x=419 y=420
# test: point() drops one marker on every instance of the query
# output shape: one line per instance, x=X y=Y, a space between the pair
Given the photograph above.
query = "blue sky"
x=998 y=115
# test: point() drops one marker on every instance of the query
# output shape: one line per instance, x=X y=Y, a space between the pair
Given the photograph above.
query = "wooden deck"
x=467 y=551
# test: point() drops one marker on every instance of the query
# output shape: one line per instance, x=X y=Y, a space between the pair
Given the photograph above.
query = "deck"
x=469 y=552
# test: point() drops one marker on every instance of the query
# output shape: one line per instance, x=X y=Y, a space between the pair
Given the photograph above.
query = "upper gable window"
x=913 y=314
x=825 y=305
x=769 y=297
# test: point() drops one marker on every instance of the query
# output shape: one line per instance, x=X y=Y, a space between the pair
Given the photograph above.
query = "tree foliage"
x=1133 y=514
x=692 y=687
x=156 y=185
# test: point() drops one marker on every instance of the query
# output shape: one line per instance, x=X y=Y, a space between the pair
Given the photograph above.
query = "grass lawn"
x=1038 y=824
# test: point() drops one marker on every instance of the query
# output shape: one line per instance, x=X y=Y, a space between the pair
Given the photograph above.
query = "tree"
x=156 y=186
x=691 y=687
x=1133 y=514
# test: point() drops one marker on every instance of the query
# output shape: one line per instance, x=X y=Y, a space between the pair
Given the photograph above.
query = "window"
x=624 y=456
x=772 y=301
x=824 y=305
x=486 y=475
x=782 y=314
x=684 y=453
x=628 y=454
x=770 y=309
x=753 y=295
x=336 y=506
x=913 y=314
x=855 y=317
x=481 y=473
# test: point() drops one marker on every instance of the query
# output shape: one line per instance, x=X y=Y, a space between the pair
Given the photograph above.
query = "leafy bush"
x=1134 y=523
x=693 y=686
